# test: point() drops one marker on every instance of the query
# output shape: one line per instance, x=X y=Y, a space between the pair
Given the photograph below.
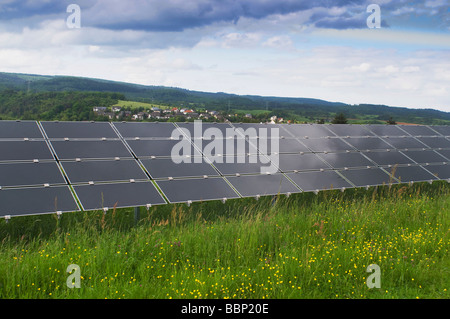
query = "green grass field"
x=304 y=246
x=135 y=105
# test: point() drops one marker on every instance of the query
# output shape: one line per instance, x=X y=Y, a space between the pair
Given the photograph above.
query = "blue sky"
x=317 y=49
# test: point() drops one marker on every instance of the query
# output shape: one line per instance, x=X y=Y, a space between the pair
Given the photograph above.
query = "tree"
x=391 y=121
x=339 y=119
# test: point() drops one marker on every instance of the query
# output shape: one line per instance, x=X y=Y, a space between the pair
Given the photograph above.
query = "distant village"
x=173 y=114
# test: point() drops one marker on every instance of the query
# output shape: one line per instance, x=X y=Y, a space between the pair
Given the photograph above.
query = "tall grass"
x=304 y=246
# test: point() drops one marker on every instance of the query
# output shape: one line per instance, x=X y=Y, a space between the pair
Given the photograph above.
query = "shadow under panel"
x=262 y=185
x=19 y=130
x=178 y=167
x=30 y=174
x=312 y=181
x=35 y=201
x=120 y=195
x=196 y=190
x=103 y=171
x=74 y=130
x=71 y=150
x=24 y=151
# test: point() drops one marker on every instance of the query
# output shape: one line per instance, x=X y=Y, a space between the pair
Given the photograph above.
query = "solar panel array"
x=56 y=167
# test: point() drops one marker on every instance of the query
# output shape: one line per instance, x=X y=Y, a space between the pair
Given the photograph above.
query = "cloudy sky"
x=297 y=48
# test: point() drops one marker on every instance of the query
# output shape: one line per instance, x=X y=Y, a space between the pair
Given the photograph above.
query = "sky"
x=292 y=48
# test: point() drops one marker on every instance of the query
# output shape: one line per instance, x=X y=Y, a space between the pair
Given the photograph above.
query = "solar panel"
x=343 y=160
x=407 y=174
x=385 y=130
x=103 y=171
x=426 y=156
x=445 y=153
x=78 y=130
x=162 y=148
x=120 y=195
x=349 y=130
x=301 y=162
x=368 y=143
x=313 y=181
x=230 y=146
x=255 y=130
x=146 y=130
x=19 y=130
x=34 y=201
x=73 y=149
x=307 y=130
x=99 y=161
x=262 y=185
x=417 y=130
x=243 y=164
x=384 y=158
x=440 y=171
x=286 y=145
x=30 y=174
x=178 y=167
x=368 y=177
x=435 y=142
x=196 y=190
x=24 y=151
x=442 y=129
x=225 y=130
x=327 y=145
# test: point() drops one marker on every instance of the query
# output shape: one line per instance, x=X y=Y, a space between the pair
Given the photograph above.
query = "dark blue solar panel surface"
x=312 y=181
x=78 y=130
x=120 y=195
x=34 y=201
x=102 y=161
x=19 y=130
x=262 y=185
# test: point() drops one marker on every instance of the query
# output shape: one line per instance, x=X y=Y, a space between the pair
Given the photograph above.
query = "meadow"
x=304 y=246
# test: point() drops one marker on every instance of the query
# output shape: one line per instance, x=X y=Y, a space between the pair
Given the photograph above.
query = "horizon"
x=291 y=49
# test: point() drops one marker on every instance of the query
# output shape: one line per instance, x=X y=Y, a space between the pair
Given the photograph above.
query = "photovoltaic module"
x=56 y=167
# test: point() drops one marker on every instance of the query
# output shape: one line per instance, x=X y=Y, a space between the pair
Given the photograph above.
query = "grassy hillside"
x=304 y=246
x=136 y=105
x=301 y=109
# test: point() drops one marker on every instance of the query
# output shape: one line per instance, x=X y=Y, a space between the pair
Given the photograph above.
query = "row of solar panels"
x=50 y=167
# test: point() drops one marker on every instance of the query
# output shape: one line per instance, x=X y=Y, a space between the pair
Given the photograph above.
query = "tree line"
x=50 y=106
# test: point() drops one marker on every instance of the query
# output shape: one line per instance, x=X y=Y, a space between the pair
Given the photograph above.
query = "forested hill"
x=37 y=87
x=49 y=106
